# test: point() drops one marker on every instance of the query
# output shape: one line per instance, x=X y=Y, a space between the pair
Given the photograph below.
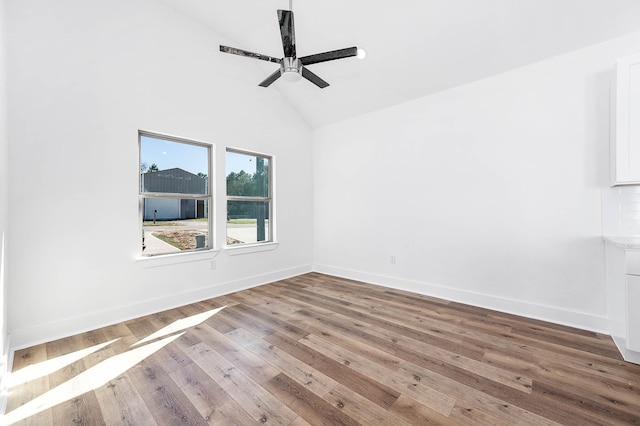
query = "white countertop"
x=623 y=242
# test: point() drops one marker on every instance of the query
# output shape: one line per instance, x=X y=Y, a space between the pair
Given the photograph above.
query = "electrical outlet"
x=213 y=264
x=392 y=259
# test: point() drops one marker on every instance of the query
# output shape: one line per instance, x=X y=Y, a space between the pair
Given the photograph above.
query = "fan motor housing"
x=291 y=68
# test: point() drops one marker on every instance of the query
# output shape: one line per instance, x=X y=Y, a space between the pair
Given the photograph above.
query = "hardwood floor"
x=320 y=350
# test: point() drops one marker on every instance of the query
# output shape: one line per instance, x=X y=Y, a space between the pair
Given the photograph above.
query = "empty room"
x=377 y=213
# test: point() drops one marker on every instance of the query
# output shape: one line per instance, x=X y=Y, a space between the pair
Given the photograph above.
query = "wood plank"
x=212 y=402
x=141 y=328
x=312 y=379
x=25 y=382
x=366 y=350
x=471 y=398
x=375 y=320
x=362 y=410
x=417 y=414
x=253 y=366
x=575 y=400
x=238 y=319
x=533 y=354
x=164 y=399
x=260 y=404
x=302 y=319
x=514 y=380
x=437 y=401
x=273 y=323
x=607 y=389
x=121 y=404
x=29 y=357
x=299 y=421
x=360 y=383
x=83 y=409
x=463 y=414
x=307 y=404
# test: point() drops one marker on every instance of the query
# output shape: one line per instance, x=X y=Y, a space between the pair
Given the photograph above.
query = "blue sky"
x=237 y=162
x=192 y=158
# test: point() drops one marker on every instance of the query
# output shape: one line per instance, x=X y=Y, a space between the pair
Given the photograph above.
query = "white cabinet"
x=623 y=294
x=625 y=122
x=632 y=260
x=633 y=312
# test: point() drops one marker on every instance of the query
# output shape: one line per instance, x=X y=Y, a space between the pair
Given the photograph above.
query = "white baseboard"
x=43 y=333
x=552 y=314
x=67 y=327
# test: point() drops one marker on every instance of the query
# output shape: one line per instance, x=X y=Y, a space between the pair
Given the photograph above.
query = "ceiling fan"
x=293 y=68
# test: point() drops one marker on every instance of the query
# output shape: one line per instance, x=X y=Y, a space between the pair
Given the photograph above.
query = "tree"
x=243 y=184
x=153 y=168
x=240 y=184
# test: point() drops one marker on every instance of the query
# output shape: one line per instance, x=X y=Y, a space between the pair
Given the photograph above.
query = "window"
x=249 y=202
x=175 y=194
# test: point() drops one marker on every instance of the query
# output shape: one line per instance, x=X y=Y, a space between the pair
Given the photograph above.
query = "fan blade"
x=314 y=78
x=288 y=33
x=273 y=77
x=246 y=53
x=329 y=56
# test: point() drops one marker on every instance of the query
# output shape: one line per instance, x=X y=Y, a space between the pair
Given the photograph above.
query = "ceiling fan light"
x=291 y=75
x=291 y=69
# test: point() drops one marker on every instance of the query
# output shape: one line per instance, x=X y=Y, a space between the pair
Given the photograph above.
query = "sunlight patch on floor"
x=44 y=368
x=179 y=325
x=89 y=380
x=98 y=375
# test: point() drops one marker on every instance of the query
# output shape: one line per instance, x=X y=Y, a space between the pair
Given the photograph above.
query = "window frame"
x=208 y=197
x=270 y=237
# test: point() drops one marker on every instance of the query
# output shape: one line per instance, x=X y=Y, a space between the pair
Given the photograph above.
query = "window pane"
x=173 y=167
x=247 y=222
x=175 y=196
x=247 y=175
x=171 y=225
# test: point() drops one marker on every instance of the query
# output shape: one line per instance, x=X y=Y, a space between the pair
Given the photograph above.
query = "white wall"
x=85 y=76
x=489 y=193
x=4 y=211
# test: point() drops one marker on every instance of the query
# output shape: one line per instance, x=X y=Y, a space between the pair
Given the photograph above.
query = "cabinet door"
x=625 y=126
x=633 y=312
x=632 y=258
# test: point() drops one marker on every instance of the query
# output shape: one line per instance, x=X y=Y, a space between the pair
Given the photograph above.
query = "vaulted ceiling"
x=414 y=47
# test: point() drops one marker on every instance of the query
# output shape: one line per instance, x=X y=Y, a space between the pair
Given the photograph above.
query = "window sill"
x=172 y=259
x=250 y=248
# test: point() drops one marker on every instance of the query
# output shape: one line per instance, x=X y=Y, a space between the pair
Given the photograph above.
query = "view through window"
x=249 y=202
x=175 y=194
